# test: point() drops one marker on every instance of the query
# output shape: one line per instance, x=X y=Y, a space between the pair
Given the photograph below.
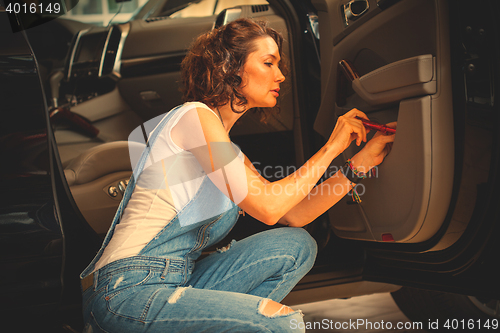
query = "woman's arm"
x=329 y=192
x=265 y=201
x=320 y=199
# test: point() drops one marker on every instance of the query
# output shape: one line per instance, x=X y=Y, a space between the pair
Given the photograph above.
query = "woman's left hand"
x=375 y=150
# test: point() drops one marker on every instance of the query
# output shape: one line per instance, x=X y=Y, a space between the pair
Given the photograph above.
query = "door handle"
x=346 y=74
x=354 y=9
x=348 y=69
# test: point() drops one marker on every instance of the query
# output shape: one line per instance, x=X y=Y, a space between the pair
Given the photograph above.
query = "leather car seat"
x=97 y=179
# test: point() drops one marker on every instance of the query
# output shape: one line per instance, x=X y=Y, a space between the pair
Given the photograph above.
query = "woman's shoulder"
x=193 y=110
x=188 y=108
x=189 y=125
x=200 y=105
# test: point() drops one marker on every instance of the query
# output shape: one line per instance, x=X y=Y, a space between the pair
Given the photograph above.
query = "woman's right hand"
x=348 y=129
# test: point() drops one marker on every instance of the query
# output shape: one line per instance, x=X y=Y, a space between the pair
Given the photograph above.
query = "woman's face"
x=261 y=75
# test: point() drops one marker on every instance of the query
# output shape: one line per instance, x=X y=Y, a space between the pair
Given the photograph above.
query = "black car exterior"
x=46 y=241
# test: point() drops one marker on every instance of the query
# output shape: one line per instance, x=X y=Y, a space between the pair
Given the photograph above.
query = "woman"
x=192 y=183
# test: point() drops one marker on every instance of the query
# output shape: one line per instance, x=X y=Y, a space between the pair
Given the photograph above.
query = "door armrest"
x=407 y=78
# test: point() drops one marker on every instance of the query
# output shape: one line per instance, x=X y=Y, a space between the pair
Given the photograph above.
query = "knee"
x=270 y=308
x=308 y=242
x=295 y=242
x=306 y=245
x=310 y=249
x=285 y=319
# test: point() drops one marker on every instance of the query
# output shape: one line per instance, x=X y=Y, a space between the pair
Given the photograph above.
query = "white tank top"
x=170 y=179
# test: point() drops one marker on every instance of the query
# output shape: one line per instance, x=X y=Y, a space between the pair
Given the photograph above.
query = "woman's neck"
x=228 y=117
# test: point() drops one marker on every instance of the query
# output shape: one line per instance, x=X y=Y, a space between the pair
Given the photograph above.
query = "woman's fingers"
x=394 y=124
x=382 y=140
x=357 y=113
x=356 y=129
x=353 y=113
x=387 y=138
x=359 y=129
x=385 y=142
x=348 y=129
x=390 y=125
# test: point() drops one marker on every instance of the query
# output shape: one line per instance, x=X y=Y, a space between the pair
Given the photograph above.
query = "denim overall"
x=160 y=290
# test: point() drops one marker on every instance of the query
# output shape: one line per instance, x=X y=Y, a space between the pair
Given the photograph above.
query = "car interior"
x=384 y=62
x=390 y=61
x=115 y=79
x=107 y=86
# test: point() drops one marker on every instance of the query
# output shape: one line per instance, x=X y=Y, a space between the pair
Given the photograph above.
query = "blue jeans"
x=223 y=293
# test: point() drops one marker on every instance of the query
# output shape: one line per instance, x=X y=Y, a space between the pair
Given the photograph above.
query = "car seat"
x=97 y=179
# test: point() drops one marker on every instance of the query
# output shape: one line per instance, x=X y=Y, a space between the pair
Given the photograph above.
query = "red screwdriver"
x=372 y=125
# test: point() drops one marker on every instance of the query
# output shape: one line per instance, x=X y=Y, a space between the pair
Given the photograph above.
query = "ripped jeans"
x=228 y=291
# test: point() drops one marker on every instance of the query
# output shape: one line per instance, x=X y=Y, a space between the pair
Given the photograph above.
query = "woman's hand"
x=347 y=129
x=374 y=152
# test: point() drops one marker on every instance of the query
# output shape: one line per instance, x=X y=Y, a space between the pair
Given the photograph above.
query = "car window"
x=211 y=7
x=100 y=12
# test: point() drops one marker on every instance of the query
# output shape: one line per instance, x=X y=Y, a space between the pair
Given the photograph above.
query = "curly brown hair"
x=210 y=70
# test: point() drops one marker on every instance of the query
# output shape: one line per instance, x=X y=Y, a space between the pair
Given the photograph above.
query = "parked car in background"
x=75 y=84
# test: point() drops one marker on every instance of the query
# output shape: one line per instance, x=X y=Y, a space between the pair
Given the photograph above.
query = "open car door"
x=401 y=72
x=404 y=61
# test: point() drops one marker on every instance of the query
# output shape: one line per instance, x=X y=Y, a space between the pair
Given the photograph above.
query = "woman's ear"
x=242 y=77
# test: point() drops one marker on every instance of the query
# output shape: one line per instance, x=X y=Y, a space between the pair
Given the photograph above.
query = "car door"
x=31 y=237
x=38 y=251
x=407 y=61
